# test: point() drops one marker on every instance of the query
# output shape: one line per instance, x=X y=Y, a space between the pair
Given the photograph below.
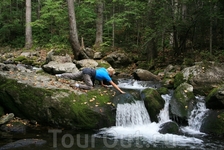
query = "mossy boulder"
x=57 y=107
x=215 y=99
x=179 y=78
x=213 y=123
x=181 y=101
x=153 y=103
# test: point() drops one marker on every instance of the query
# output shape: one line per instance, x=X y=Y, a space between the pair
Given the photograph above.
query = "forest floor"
x=163 y=59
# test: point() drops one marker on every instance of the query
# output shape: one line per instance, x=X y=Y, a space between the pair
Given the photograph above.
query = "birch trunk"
x=28 y=42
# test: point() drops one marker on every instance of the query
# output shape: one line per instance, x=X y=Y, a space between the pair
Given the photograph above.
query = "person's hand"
x=105 y=86
x=122 y=92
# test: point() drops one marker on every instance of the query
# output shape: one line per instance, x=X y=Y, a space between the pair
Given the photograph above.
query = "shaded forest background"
x=158 y=32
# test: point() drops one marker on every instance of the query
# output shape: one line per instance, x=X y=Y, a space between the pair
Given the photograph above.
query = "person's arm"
x=103 y=84
x=116 y=87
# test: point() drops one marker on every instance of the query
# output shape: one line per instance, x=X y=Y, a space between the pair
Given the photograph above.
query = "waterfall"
x=197 y=114
x=134 y=128
x=164 y=113
x=130 y=114
x=196 y=117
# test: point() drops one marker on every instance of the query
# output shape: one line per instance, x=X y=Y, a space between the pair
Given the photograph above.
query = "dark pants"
x=87 y=75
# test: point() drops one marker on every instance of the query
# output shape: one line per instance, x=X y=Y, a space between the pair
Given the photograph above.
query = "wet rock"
x=215 y=99
x=23 y=144
x=123 y=98
x=6 y=118
x=181 y=101
x=169 y=127
x=213 y=123
x=15 y=127
x=153 y=102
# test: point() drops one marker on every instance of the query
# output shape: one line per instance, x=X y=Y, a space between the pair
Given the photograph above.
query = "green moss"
x=179 y=78
x=57 y=106
x=163 y=90
x=181 y=101
x=153 y=102
x=213 y=91
x=102 y=63
x=84 y=108
x=20 y=59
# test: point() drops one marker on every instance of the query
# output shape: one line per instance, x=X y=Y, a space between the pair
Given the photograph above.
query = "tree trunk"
x=151 y=44
x=38 y=9
x=28 y=42
x=73 y=33
x=113 y=28
x=99 y=24
x=210 y=29
x=175 y=34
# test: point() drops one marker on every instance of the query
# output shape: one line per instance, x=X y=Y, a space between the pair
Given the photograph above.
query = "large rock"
x=118 y=59
x=213 y=123
x=169 y=127
x=145 y=75
x=51 y=102
x=215 y=99
x=204 y=76
x=24 y=144
x=60 y=59
x=14 y=126
x=54 y=67
x=182 y=100
x=86 y=63
x=153 y=102
x=123 y=98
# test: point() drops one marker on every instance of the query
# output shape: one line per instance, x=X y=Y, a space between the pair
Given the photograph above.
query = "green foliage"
x=52 y=27
x=11 y=23
x=129 y=25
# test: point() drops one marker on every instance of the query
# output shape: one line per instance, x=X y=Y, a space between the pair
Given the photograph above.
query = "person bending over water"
x=89 y=75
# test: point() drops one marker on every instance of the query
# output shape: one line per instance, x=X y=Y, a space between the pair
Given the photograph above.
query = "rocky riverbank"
x=35 y=94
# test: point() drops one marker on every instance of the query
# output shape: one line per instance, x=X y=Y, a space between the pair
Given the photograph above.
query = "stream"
x=133 y=130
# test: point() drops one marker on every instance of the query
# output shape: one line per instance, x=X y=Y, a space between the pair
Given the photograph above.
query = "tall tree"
x=99 y=24
x=73 y=33
x=29 y=41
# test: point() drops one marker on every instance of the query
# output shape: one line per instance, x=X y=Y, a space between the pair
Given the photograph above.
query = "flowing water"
x=133 y=130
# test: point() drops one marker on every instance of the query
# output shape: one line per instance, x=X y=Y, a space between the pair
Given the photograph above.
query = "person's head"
x=111 y=71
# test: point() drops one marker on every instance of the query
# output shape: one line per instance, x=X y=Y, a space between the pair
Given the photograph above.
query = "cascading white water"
x=196 y=117
x=164 y=113
x=197 y=114
x=133 y=123
x=130 y=114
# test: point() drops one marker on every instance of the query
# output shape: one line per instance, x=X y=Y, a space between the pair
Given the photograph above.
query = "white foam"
x=148 y=133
